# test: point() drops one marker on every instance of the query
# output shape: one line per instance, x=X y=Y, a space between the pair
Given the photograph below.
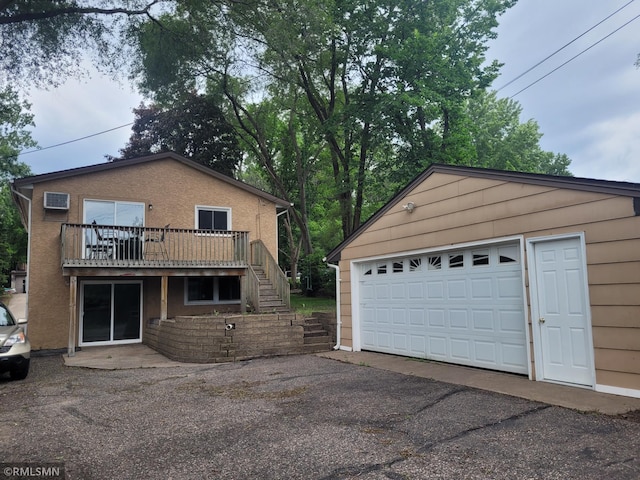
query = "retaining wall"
x=226 y=338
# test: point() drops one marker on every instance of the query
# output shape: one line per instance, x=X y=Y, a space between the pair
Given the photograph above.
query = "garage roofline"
x=610 y=187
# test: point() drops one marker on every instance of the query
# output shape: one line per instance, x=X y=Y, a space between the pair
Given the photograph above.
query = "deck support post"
x=73 y=315
x=164 y=288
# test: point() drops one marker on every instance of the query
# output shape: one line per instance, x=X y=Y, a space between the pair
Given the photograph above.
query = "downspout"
x=339 y=318
x=15 y=192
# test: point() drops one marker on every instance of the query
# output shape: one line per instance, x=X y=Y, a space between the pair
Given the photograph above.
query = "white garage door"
x=463 y=307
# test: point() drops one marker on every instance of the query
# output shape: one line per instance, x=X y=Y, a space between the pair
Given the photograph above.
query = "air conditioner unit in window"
x=56 y=201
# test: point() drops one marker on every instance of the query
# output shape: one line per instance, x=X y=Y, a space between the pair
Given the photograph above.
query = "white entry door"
x=561 y=322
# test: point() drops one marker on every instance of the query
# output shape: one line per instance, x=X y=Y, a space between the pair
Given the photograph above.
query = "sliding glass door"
x=111 y=312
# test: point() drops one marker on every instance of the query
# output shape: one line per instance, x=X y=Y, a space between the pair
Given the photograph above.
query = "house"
x=532 y=274
x=116 y=246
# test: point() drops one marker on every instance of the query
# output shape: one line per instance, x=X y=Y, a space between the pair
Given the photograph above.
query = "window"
x=398 y=267
x=508 y=254
x=382 y=268
x=367 y=271
x=210 y=290
x=435 y=263
x=480 y=258
x=213 y=218
x=456 y=260
x=415 y=264
x=104 y=212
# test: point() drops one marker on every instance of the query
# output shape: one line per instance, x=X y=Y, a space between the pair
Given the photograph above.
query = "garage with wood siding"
x=578 y=273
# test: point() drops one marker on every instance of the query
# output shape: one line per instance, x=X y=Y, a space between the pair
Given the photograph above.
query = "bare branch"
x=35 y=16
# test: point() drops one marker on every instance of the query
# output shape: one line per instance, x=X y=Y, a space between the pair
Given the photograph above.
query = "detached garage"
x=523 y=273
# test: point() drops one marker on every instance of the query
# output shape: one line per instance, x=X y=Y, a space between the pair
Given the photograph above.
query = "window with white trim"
x=211 y=290
x=213 y=218
x=109 y=212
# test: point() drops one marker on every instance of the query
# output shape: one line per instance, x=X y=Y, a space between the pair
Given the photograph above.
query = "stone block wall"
x=226 y=338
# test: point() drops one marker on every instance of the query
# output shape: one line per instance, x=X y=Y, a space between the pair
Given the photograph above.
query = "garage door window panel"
x=456 y=260
x=481 y=258
x=509 y=254
x=415 y=265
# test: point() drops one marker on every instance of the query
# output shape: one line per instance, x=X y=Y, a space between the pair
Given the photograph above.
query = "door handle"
x=541 y=320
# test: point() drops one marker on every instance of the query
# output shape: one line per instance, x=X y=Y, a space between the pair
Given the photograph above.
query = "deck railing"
x=92 y=245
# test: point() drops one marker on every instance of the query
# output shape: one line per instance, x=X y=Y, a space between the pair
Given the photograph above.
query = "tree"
x=377 y=77
x=193 y=126
x=500 y=141
x=14 y=136
x=43 y=41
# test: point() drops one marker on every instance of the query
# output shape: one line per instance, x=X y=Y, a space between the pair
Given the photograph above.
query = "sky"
x=588 y=109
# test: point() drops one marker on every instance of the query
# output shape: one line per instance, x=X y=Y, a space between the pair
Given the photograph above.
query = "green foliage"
x=44 y=41
x=306 y=305
x=192 y=126
x=501 y=142
x=14 y=120
x=339 y=104
x=317 y=278
x=13 y=237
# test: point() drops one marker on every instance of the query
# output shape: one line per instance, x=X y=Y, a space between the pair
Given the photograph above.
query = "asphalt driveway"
x=301 y=417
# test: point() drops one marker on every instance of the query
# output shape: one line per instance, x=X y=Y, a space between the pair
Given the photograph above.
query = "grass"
x=308 y=305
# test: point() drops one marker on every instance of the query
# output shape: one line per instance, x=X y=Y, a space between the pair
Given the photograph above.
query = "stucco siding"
x=173 y=188
x=452 y=209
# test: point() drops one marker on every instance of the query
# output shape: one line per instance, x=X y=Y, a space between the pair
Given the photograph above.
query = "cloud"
x=78 y=109
x=611 y=149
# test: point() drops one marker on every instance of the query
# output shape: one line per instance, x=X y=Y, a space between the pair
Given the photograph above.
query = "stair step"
x=314 y=333
x=316 y=347
x=316 y=340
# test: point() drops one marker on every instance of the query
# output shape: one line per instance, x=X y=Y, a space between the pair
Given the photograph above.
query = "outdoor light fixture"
x=409 y=207
x=150 y=206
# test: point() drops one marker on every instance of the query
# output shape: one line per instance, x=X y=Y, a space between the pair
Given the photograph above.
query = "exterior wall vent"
x=56 y=201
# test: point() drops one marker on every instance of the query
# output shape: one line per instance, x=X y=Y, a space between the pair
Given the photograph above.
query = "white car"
x=15 y=349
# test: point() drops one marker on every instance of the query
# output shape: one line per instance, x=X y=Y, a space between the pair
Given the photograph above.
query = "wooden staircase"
x=269 y=300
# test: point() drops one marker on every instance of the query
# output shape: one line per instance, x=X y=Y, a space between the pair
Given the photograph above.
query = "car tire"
x=20 y=372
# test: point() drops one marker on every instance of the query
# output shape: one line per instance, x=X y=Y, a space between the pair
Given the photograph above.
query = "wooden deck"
x=94 y=246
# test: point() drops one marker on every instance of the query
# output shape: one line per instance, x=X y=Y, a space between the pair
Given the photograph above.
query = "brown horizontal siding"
x=615 y=316
x=454 y=210
x=621 y=294
x=624 y=361
x=614 y=273
x=562 y=217
x=617 y=229
x=497 y=202
x=618 y=379
x=614 y=252
x=616 y=338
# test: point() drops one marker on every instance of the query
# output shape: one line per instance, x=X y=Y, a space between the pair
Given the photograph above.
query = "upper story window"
x=107 y=212
x=213 y=218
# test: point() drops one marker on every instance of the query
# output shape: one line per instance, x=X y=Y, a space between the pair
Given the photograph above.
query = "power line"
x=76 y=139
x=563 y=47
x=575 y=56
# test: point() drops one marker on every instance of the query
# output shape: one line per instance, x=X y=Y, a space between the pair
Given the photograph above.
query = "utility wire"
x=575 y=56
x=563 y=47
x=502 y=87
x=75 y=140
